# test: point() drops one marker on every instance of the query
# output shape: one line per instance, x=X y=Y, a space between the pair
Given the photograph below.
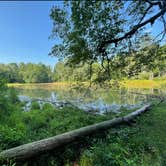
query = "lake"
x=93 y=98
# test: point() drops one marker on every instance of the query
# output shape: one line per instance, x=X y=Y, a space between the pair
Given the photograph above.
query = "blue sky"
x=24 y=31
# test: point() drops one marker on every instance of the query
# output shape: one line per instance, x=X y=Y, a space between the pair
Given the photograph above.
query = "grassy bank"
x=52 y=85
x=143 y=83
x=124 y=83
x=143 y=144
x=18 y=127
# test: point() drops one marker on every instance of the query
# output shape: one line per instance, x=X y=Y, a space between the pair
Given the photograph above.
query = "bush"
x=12 y=96
x=144 y=75
x=105 y=153
x=35 y=105
x=48 y=106
x=10 y=137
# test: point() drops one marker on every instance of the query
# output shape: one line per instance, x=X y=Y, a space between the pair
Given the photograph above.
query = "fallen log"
x=35 y=148
x=56 y=103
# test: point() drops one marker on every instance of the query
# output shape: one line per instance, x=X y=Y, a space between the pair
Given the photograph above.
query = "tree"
x=64 y=72
x=29 y=73
x=94 y=31
x=10 y=72
x=160 y=61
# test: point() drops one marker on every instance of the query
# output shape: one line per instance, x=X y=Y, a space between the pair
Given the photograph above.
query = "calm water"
x=82 y=95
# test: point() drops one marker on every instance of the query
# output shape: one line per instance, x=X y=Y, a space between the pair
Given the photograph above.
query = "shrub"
x=48 y=106
x=144 y=75
x=35 y=105
x=10 y=137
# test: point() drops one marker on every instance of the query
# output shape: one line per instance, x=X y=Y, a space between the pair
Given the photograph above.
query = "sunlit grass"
x=143 y=83
x=48 y=86
x=53 y=85
x=125 y=83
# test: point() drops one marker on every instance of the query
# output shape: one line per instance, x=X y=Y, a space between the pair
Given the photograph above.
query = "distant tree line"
x=147 y=63
x=26 y=73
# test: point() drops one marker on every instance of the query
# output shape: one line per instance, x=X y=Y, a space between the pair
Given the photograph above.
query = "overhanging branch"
x=135 y=28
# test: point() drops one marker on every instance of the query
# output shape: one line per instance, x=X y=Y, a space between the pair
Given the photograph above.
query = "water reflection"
x=101 y=100
x=108 y=96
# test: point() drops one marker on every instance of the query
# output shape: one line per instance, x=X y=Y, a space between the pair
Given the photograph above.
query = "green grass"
x=128 y=83
x=19 y=127
x=143 y=83
x=143 y=144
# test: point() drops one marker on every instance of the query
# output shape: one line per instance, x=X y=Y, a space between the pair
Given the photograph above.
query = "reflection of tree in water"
x=86 y=94
x=35 y=93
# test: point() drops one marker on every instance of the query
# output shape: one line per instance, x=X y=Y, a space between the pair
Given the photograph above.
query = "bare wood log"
x=56 y=103
x=35 y=148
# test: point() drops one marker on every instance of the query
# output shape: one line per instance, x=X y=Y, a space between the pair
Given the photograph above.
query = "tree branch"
x=132 y=31
x=150 y=6
x=153 y=3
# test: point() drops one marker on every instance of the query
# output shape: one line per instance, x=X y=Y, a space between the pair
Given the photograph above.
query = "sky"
x=25 y=28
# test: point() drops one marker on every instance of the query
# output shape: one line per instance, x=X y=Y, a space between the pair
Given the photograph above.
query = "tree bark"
x=35 y=148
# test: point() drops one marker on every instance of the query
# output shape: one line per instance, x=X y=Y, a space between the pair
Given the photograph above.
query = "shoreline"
x=125 y=83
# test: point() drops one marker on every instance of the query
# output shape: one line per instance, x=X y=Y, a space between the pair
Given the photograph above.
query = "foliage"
x=143 y=144
x=10 y=137
x=122 y=66
x=97 y=31
x=125 y=65
x=28 y=73
x=35 y=105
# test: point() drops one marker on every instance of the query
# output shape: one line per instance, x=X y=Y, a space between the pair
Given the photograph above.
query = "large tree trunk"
x=35 y=148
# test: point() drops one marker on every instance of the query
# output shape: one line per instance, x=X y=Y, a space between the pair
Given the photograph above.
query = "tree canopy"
x=28 y=73
x=96 y=31
x=124 y=65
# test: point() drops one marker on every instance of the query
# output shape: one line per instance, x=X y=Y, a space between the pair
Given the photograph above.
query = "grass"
x=143 y=83
x=38 y=124
x=143 y=144
x=18 y=127
x=50 y=86
x=124 y=83
x=154 y=125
